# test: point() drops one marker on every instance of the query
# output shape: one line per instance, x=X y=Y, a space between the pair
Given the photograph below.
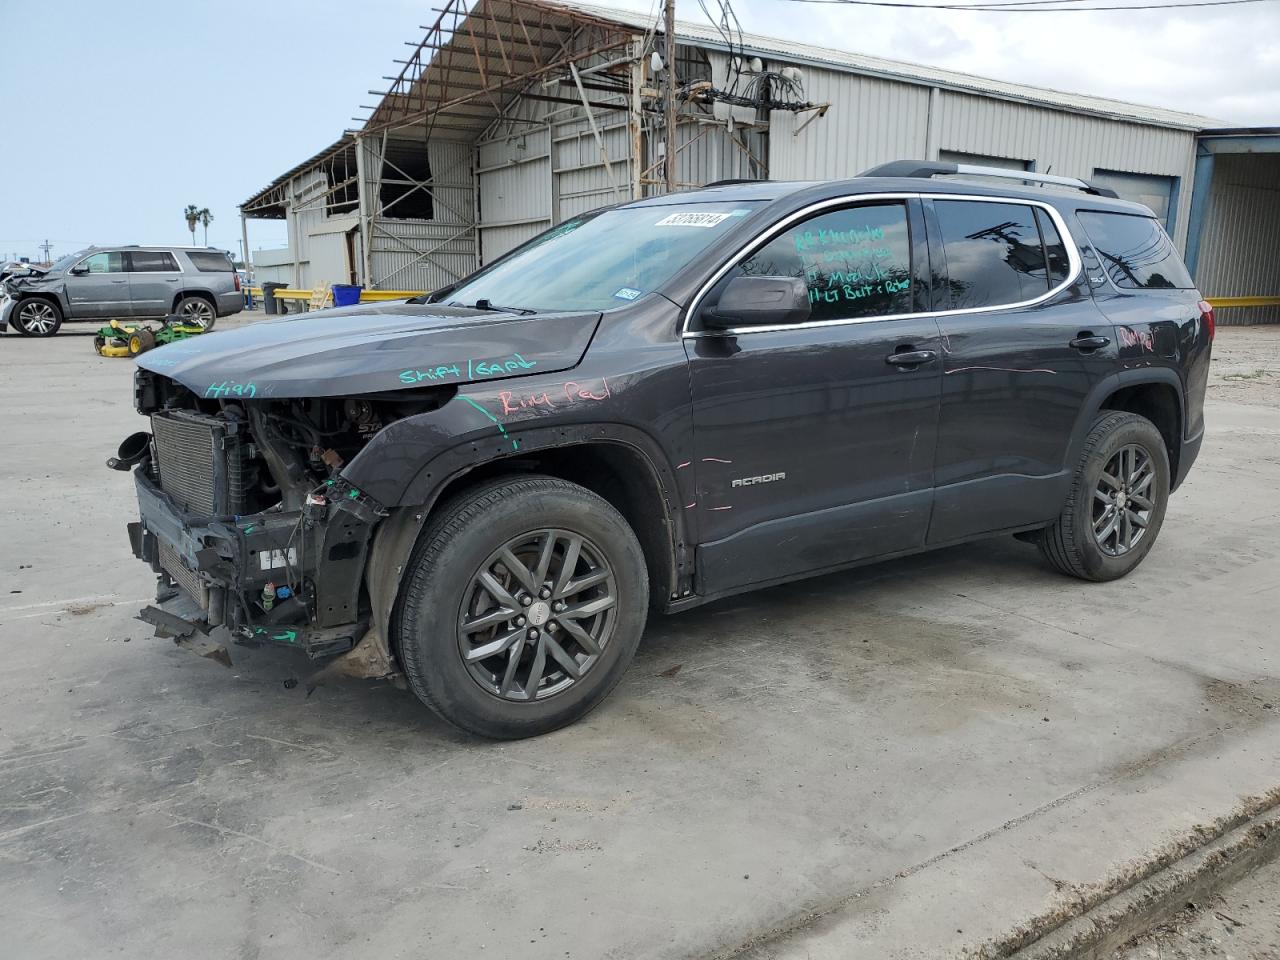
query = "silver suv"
x=199 y=284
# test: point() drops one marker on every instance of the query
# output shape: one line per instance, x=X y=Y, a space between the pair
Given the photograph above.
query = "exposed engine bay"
x=244 y=511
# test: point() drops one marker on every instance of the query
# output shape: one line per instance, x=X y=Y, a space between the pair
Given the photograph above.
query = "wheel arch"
x=1156 y=393
x=1158 y=401
x=202 y=294
x=632 y=479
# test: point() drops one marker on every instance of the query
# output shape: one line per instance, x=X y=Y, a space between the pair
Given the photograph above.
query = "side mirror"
x=79 y=270
x=758 y=302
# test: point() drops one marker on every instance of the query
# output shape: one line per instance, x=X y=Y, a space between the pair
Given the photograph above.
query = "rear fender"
x=1109 y=385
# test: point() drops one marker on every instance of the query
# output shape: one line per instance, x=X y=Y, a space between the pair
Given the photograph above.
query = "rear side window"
x=994 y=253
x=856 y=262
x=210 y=262
x=149 y=261
x=1055 y=250
x=1136 y=251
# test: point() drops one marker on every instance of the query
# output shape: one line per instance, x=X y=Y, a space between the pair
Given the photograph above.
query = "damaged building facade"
x=511 y=116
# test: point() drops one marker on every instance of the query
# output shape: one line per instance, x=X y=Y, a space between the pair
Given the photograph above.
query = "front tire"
x=37 y=317
x=524 y=604
x=197 y=312
x=1117 y=501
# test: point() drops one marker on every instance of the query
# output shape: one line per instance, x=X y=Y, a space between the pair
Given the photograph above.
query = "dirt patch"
x=84 y=609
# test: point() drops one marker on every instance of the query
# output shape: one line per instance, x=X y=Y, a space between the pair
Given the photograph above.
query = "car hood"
x=372 y=348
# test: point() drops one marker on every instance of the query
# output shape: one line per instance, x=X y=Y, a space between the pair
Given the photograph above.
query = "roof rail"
x=923 y=169
x=733 y=180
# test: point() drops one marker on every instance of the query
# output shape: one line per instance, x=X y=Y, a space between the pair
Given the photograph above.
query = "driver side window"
x=856 y=261
x=112 y=262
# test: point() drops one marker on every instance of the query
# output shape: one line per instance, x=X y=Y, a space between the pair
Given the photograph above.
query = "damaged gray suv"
x=199 y=284
x=648 y=407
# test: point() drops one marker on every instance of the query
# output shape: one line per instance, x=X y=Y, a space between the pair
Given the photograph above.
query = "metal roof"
x=775 y=48
x=264 y=205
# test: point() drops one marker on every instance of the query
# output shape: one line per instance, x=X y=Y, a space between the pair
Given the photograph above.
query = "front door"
x=101 y=287
x=154 y=281
x=1020 y=359
x=815 y=441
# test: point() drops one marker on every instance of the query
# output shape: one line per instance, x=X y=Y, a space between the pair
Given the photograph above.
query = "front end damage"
x=248 y=524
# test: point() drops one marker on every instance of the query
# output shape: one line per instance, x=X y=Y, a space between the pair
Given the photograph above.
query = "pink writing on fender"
x=513 y=404
x=1131 y=338
x=576 y=391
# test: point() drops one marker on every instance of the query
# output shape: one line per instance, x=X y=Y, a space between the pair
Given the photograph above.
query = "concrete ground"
x=928 y=758
x=1242 y=922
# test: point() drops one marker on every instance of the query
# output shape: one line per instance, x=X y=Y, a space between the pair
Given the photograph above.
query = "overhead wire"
x=1026 y=6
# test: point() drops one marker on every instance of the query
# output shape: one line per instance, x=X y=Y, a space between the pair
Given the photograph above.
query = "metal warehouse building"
x=510 y=116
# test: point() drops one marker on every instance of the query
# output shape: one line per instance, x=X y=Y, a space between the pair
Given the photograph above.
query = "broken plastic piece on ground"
x=191 y=635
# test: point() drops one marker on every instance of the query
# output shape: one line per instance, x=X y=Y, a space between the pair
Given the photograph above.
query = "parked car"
x=197 y=283
x=664 y=403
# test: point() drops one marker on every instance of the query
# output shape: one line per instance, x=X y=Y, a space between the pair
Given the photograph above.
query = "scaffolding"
x=506 y=118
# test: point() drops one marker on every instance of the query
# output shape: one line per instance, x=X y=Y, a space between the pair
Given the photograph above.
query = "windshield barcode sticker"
x=692 y=219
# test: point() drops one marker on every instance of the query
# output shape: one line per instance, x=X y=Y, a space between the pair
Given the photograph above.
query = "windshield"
x=602 y=260
x=64 y=263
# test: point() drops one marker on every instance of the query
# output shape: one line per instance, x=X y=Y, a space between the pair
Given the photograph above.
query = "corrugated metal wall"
x=1068 y=144
x=1241 y=235
x=544 y=165
x=872 y=121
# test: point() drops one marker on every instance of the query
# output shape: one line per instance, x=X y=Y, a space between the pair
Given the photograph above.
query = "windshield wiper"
x=485 y=305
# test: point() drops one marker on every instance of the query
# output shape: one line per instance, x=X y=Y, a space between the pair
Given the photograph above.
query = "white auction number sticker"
x=692 y=219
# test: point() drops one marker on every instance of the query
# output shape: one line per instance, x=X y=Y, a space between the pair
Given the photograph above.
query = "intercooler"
x=183 y=575
x=201 y=461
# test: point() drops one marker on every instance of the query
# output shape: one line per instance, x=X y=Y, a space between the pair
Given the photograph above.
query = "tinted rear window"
x=207 y=262
x=994 y=253
x=1136 y=251
x=150 y=261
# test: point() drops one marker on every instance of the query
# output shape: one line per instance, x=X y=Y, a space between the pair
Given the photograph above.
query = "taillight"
x=1206 y=315
x=237 y=276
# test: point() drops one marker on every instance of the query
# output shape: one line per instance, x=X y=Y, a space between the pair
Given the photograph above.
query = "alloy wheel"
x=1122 y=503
x=537 y=615
x=37 y=317
x=197 y=312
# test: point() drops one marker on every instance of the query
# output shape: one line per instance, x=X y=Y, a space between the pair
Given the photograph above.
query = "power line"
x=1023 y=6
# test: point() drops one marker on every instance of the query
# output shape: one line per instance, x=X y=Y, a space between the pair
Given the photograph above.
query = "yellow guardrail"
x=366 y=296
x=1221 y=302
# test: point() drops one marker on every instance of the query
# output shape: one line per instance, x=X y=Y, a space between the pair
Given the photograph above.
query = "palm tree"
x=205 y=219
x=192 y=213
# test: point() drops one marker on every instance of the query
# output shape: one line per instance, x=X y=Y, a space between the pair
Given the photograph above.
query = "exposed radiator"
x=201 y=461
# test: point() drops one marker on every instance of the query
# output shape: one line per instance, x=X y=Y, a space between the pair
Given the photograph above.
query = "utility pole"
x=46 y=247
x=669 y=161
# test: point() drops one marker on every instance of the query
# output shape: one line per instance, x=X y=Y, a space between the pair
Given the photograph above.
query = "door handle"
x=170 y=279
x=119 y=281
x=1089 y=342
x=911 y=358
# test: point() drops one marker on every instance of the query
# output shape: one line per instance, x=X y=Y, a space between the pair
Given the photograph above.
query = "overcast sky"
x=119 y=115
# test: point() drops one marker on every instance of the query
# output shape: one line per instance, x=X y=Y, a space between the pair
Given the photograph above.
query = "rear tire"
x=500 y=569
x=37 y=317
x=1117 y=501
x=197 y=312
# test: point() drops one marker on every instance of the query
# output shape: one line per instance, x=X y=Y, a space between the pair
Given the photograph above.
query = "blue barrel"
x=346 y=294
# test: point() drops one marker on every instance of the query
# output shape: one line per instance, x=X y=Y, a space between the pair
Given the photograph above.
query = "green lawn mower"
x=127 y=340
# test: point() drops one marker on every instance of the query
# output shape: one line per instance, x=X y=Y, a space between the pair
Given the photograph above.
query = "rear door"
x=101 y=289
x=814 y=447
x=154 y=280
x=1023 y=345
